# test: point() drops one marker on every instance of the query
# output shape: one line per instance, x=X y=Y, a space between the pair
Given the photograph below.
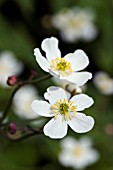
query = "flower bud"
x=109 y=129
x=12 y=128
x=12 y=80
x=33 y=73
x=73 y=89
x=47 y=21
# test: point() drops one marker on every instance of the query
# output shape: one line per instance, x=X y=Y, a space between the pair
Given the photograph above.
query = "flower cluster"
x=64 y=109
x=64 y=106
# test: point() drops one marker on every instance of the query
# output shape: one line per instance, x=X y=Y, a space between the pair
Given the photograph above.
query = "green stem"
x=20 y=84
x=8 y=104
x=35 y=80
x=33 y=133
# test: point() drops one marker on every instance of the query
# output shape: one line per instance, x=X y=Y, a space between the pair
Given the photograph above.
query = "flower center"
x=77 y=151
x=3 y=69
x=61 y=65
x=76 y=23
x=64 y=108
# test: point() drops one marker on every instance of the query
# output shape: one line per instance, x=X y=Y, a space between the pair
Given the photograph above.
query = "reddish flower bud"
x=33 y=73
x=109 y=129
x=12 y=80
x=12 y=128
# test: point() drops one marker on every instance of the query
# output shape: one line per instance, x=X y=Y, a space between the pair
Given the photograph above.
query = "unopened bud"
x=47 y=21
x=34 y=73
x=12 y=128
x=109 y=129
x=73 y=89
x=12 y=80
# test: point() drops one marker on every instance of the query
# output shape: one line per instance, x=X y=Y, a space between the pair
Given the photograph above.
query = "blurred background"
x=23 y=26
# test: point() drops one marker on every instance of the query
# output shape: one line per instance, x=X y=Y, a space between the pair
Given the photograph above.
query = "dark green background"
x=21 y=31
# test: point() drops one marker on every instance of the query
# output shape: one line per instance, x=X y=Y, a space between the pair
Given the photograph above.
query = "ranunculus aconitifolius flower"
x=75 y=24
x=67 y=68
x=64 y=111
x=77 y=154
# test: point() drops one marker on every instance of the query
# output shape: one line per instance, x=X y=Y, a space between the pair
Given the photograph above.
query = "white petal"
x=43 y=63
x=65 y=158
x=79 y=60
x=56 y=128
x=94 y=156
x=54 y=73
x=81 y=123
x=103 y=82
x=82 y=101
x=79 y=78
x=69 y=35
x=54 y=94
x=22 y=102
x=89 y=33
x=50 y=46
x=42 y=108
x=86 y=142
x=68 y=143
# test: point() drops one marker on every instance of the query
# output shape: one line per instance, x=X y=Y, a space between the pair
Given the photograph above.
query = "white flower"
x=9 y=66
x=77 y=153
x=22 y=102
x=64 y=112
x=63 y=68
x=75 y=24
x=103 y=82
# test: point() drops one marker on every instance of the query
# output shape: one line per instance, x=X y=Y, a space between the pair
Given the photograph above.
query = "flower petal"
x=90 y=32
x=43 y=63
x=69 y=35
x=79 y=78
x=82 y=101
x=86 y=142
x=66 y=158
x=56 y=128
x=54 y=94
x=81 y=123
x=42 y=108
x=54 y=73
x=68 y=143
x=50 y=46
x=79 y=60
x=103 y=82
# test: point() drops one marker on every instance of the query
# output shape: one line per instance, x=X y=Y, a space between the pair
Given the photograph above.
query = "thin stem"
x=9 y=104
x=33 y=133
x=35 y=80
x=20 y=84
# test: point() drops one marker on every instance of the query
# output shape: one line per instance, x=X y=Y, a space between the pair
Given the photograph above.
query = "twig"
x=19 y=85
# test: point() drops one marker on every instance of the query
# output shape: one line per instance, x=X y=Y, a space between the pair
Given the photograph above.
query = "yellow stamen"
x=61 y=65
x=65 y=108
x=77 y=151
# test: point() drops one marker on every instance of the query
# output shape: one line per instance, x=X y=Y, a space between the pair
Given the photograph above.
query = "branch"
x=19 y=85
